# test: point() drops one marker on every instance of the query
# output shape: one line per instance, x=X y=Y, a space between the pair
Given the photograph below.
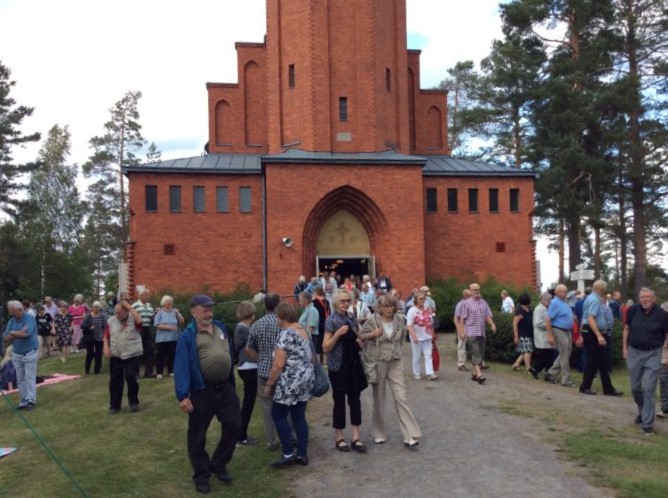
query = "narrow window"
x=151 y=193
x=291 y=76
x=169 y=250
x=343 y=109
x=500 y=247
x=514 y=200
x=198 y=199
x=432 y=200
x=494 y=200
x=473 y=200
x=222 y=205
x=245 y=199
x=452 y=200
x=175 y=198
x=388 y=79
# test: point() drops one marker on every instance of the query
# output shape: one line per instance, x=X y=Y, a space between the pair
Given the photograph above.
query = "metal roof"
x=451 y=166
x=252 y=163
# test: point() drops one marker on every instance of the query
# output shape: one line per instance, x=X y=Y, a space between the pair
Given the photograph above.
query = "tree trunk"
x=574 y=249
x=562 y=236
x=597 y=252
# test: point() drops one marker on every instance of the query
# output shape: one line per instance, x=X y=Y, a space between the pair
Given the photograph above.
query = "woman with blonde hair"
x=63 y=325
x=421 y=330
x=166 y=322
x=346 y=374
x=383 y=336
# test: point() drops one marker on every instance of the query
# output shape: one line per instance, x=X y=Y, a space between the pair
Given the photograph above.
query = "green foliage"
x=11 y=118
x=225 y=305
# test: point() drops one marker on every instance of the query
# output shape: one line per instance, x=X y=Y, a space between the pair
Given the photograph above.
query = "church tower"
x=332 y=76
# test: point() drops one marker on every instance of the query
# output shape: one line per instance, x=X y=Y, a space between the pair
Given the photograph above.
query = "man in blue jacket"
x=21 y=332
x=204 y=384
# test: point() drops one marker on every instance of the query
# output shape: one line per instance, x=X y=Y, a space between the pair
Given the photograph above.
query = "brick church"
x=327 y=154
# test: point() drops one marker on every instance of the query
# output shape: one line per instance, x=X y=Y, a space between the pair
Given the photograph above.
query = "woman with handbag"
x=383 y=335
x=345 y=370
x=289 y=385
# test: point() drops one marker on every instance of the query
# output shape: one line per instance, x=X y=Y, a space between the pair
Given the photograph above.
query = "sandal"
x=517 y=368
x=358 y=446
x=478 y=378
x=341 y=445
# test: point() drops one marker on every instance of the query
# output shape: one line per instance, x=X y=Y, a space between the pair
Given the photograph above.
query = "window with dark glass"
x=291 y=76
x=388 y=79
x=245 y=199
x=452 y=200
x=175 y=198
x=198 y=199
x=343 y=109
x=432 y=200
x=514 y=200
x=151 y=193
x=473 y=200
x=494 y=200
x=222 y=204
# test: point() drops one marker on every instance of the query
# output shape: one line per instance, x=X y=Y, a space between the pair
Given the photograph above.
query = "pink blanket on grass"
x=48 y=380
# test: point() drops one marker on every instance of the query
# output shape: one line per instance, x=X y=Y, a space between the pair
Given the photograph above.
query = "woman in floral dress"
x=291 y=380
x=63 y=324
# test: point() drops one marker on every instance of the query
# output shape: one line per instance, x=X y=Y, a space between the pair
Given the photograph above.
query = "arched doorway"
x=343 y=246
x=359 y=214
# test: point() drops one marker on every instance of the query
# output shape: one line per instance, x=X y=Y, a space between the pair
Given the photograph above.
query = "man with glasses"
x=475 y=315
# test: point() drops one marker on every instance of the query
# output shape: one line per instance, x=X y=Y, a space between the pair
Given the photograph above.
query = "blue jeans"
x=26 y=376
x=279 y=413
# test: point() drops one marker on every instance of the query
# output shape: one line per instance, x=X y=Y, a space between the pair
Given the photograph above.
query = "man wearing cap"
x=204 y=385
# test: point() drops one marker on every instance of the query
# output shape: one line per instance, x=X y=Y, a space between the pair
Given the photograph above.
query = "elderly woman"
x=382 y=334
x=291 y=381
x=543 y=357
x=523 y=332
x=246 y=368
x=421 y=331
x=78 y=312
x=62 y=322
x=346 y=374
x=45 y=330
x=166 y=322
x=93 y=331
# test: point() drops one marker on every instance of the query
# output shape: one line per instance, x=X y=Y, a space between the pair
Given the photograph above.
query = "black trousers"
x=121 y=371
x=250 y=393
x=94 y=351
x=596 y=362
x=221 y=401
x=339 y=395
x=166 y=352
x=147 y=345
x=543 y=359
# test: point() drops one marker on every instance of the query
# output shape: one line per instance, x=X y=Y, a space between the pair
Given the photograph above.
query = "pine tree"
x=11 y=117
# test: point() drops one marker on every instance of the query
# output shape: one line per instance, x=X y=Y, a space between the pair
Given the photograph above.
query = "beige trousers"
x=390 y=373
x=265 y=404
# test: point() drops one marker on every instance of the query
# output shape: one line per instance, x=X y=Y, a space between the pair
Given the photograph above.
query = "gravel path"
x=472 y=445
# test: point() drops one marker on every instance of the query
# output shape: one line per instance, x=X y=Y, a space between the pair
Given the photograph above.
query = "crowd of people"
x=357 y=327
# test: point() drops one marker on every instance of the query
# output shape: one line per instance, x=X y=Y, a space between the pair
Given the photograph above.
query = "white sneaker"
x=159 y=376
x=417 y=377
x=432 y=377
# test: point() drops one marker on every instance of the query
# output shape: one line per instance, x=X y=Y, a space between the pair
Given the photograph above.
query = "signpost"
x=581 y=274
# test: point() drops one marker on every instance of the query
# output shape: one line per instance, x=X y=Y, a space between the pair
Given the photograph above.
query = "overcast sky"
x=73 y=59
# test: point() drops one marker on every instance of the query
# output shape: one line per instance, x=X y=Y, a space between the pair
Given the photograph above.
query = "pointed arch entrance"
x=343 y=233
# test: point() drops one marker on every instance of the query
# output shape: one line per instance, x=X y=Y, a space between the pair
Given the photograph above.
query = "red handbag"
x=435 y=356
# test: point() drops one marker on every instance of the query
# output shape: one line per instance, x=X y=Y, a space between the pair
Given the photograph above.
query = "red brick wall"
x=216 y=250
x=294 y=191
x=463 y=244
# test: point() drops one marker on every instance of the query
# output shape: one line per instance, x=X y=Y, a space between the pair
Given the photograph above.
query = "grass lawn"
x=616 y=456
x=128 y=454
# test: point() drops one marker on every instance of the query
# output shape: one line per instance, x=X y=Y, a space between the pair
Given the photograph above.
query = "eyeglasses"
x=344 y=300
x=475 y=289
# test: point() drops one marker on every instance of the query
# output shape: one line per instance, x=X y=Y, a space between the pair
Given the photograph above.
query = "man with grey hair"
x=645 y=334
x=559 y=322
x=593 y=327
x=21 y=333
